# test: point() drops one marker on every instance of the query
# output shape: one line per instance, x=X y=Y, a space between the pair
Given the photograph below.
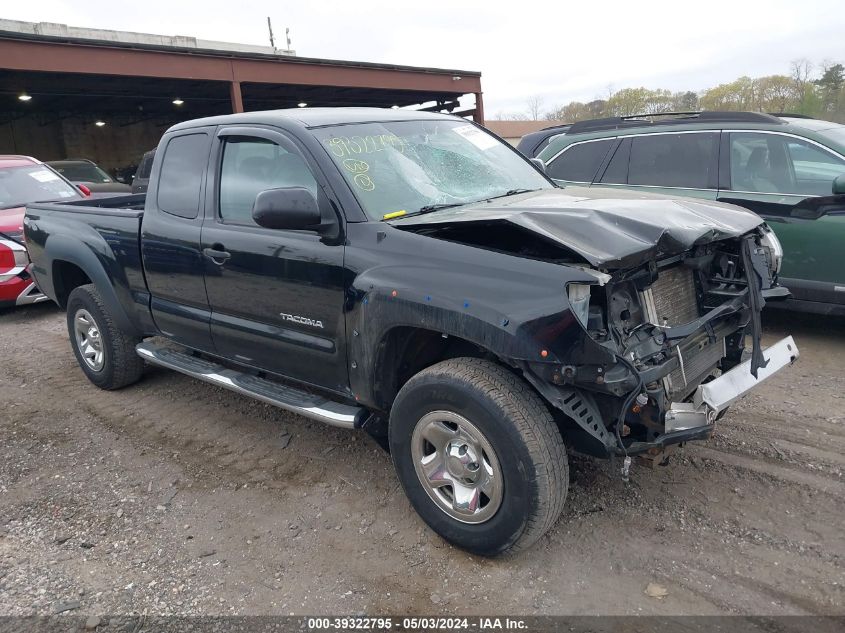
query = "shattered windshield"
x=404 y=167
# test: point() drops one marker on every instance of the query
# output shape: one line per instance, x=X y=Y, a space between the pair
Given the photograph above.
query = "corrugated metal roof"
x=55 y=32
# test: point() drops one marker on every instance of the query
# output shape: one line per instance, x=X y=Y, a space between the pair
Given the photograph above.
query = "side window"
x=774 y=163
x=759 y=163
x=579 y=162
x=814 y=168
x=674 y=160
x=251 y=165
x=180 y=179
x=617 y=169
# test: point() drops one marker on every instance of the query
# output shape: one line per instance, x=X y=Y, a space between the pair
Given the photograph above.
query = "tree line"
x=813 y=90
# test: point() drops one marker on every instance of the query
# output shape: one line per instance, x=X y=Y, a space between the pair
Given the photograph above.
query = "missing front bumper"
x=717 y=395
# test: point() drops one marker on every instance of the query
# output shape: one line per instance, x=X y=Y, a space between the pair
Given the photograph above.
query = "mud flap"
x=581 y=408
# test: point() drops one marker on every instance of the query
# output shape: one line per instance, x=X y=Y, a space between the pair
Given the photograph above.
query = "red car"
x=23 y=180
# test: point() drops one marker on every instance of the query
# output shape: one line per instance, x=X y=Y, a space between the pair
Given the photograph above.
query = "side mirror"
x=839 y=185
x=539 y=164
x=293 y=208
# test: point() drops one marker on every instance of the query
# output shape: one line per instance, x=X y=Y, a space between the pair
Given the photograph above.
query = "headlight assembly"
x=774 y=251
x=579 y=300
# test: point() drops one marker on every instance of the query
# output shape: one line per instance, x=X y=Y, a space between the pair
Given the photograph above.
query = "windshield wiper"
x=436 y=207
x=511 y=192
x=429 y=208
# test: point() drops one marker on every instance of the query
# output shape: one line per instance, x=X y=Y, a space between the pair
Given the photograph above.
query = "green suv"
x=788 y=169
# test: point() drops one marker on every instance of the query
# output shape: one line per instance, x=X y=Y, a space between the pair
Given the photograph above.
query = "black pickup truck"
x=411 y=274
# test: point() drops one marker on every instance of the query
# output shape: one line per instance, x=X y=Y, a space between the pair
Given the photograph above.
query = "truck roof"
x=314 y=117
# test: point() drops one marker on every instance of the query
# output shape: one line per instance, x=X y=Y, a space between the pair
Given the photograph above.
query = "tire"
x=505 y=417
x=105 y=353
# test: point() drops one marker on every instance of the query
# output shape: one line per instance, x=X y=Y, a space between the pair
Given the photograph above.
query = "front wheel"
x=478 y=455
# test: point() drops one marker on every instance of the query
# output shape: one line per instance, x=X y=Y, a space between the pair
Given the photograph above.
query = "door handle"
x=216 y=254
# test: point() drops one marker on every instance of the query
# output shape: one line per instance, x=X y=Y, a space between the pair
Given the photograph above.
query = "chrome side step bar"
x=289 y=398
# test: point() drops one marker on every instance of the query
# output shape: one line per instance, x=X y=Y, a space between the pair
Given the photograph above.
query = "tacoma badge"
x=300 y=319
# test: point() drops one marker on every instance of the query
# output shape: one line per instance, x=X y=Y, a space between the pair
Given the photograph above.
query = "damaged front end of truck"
x=670 y=345
x=664 y=336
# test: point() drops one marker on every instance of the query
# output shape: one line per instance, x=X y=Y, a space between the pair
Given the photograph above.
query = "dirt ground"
x=173 y=496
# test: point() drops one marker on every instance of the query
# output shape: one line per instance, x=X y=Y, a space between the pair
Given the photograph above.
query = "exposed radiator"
x=671 y=300
x=698 y=360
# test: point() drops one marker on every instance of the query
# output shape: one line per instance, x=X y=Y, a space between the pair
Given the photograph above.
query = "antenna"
x=270 y=28
x=287 y=37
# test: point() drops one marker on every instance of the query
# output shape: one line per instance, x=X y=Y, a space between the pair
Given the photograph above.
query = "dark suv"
x=786 y=168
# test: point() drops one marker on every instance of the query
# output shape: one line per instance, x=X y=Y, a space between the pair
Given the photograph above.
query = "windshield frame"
x=321 y=137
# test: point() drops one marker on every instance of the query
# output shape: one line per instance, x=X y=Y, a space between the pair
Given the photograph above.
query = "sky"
x=558 y=51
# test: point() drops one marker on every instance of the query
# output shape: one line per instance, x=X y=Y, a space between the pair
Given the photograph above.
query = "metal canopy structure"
x=128 y=81
x=60 y=95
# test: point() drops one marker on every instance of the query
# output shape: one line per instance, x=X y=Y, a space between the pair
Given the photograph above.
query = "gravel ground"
x=176 y=497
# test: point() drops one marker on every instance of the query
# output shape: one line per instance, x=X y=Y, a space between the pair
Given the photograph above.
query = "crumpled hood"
x=609 y=228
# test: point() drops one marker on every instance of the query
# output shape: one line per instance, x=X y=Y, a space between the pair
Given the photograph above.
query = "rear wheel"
x=104 y=352
x=478 y=455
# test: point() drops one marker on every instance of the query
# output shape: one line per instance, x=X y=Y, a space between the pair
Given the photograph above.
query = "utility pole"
x=270 y=28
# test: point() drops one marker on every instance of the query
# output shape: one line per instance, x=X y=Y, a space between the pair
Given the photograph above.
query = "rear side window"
x=617 y=169
x=579 y=162
x=674 y=160
x=180 y=179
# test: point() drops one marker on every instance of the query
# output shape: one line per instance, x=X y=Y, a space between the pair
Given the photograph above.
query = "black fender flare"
x=380 y=311
x=73 y=251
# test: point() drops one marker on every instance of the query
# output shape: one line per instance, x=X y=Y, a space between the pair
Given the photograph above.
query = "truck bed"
x=131 y=205
x=99 y=239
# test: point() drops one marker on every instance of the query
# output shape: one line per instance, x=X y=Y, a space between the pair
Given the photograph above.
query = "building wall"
x=112 y=146
x=26 y=136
